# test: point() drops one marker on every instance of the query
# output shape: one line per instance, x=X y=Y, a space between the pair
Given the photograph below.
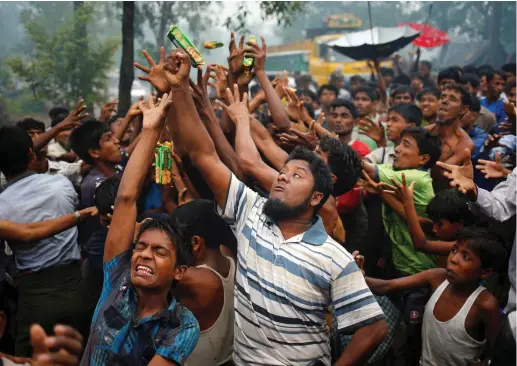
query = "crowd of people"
x=357 y=222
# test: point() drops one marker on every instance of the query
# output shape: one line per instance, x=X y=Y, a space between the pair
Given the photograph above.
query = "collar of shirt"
x=166 y=314
x=28 y=173
x=315 y=235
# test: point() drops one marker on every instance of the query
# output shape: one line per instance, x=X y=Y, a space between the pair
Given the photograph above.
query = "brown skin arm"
x=131 y=148
x=40 y=230
x=398 y=207
x=491 y=319
x=363 y=343
x=431 y=277
x=158 y=360
x=460 y=155
x=122 y=227
x=265 y=143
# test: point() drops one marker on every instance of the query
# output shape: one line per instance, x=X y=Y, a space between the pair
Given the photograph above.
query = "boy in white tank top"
x=461 y=319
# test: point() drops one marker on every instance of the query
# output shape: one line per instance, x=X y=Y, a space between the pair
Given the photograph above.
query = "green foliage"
x=283 y=11
x=68 y=63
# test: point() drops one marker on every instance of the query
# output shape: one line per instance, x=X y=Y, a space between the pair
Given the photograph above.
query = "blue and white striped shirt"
x=283 y=287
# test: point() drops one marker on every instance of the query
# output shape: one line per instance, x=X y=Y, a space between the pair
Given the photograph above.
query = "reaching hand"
x=134 y=110
x=402 y=191
x=177 y=70
x=155 y=74
x=218 y=74
x=258 y=53
x=66 y=346
x=294 y=106
x=200 y=92
x=369 y=185
x=237 y=109
x=236 y=55
x=107 y=110
x=295 y=137
x=510 y=110
x=373 y=130
x=154 y=115
x=461 y=176
x=359 y=260
x=74 y=118
x=493 y=141
x=493 y=169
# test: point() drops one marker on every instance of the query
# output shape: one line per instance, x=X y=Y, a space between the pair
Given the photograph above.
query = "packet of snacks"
x=163 y=163
x=179 y=39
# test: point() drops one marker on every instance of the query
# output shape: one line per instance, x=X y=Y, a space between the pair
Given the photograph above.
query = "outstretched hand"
x=237 y=109
x=66 y=346
x=177 y=70
x=258 y=53
x=200 y=91
x=155 y=114
x=402 y=191
x=493 y=169
x=155 y=74
x=461 y=176
x=74 y=118
x=107 y=110
x=373 y=130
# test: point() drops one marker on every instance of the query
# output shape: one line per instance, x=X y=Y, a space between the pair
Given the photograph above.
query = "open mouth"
x=278 y=189
x=450 y=272
x=144 y=270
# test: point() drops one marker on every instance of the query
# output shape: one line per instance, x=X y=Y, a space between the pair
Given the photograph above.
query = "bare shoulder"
x=487 y=303
x=464 y=140
x=436 y=276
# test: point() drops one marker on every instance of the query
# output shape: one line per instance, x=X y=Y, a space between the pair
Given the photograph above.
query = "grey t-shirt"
x=382 y=155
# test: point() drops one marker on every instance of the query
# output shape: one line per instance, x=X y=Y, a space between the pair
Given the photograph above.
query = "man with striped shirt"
x=289 y=270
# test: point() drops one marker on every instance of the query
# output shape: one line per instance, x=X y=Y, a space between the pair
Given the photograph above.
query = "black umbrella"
x=375 y=43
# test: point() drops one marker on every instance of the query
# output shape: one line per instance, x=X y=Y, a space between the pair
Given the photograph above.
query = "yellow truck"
x=314 y=57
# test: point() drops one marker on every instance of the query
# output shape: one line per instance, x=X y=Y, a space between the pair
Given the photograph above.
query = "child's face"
x=428 y=104
x=395 y=126
x=463 y=265
x=363 y=104
x=407 y=154
x=402 y=98
x=447 y=230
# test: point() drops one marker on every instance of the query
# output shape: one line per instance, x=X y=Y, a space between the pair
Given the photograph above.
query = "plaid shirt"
x=118 y=337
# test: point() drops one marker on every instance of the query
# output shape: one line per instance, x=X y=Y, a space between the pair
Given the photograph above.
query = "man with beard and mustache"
x=288 y=269
x=454 y=104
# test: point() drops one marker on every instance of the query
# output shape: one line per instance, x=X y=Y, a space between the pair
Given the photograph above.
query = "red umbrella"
x=429 y=36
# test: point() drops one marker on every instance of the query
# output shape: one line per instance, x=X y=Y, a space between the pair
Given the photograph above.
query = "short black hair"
x=474 y=105
x=114 y=118
x=358 y=79
x=402 y=90
x=332 y=88
x=343 y=162
x=417 y=75
x=484 y=68
x=57 y=121
x=105 y=195
x=490 y=75
x=370 y=92
x=470 y=69
x=509 y=67
x=198 y=217
x=387 y=71
x=15 y=145
x=450 y=205
x=487 y=245
x=432 y=91
x=471 y=79
x=427 y=63
x=402 y=79
x=428 y=143
x=320 y=171
x=410 y=112
x=449 y=73
x=57 y=110
x=27 y=124
x=184 y=255
x=465 y=95
x=308 y=93
x=344 y=103
x=87 y=136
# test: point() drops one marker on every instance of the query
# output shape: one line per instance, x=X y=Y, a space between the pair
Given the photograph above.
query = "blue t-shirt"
x=497 y=108
x=478 y=136
x=118 y=337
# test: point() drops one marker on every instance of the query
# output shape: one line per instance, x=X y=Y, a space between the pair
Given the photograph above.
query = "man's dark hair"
x=470 y=69
x=427 y=63
x=332 y=88
x=474 y=105
x=433 y=91
x=490 y=75
x=184 y=256
x=487 y=246
x=343 y=162
x=57 y=110
x=387 y=71
x=427 y=142
x=57 y=120
x=114 y=118
x=449 y=73
x=508 y=87
x=320 y=171
x=401 y=79
x=15 y=145
x=450 y=205
x=105 y=195
x=410 y=112
x=85 y=137
x=27 y=124
x=417 y=75
x=402 y=90
x=471 y=79
x=308 y=93
x=370 y=92
x=465 y=95
x=199 y=218
x=357 y=79
x=484 y=68
x=509 y=67
x=344 y=103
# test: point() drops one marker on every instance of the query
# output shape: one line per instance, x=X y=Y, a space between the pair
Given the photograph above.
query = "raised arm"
x=71 y=121
x=188 y=130
x=121 y=231
x=121 y=129
x=278 y=113
x=40 y=230
x=425 y=278
x=265 y=143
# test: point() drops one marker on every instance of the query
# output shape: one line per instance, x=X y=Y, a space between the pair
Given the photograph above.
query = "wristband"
x=78 y=216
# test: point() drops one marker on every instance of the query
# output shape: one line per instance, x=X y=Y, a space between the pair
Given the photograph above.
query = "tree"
x=52 y=68
x=127 y=73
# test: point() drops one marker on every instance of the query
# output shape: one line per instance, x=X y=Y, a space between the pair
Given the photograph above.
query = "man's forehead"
x=298 y=164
